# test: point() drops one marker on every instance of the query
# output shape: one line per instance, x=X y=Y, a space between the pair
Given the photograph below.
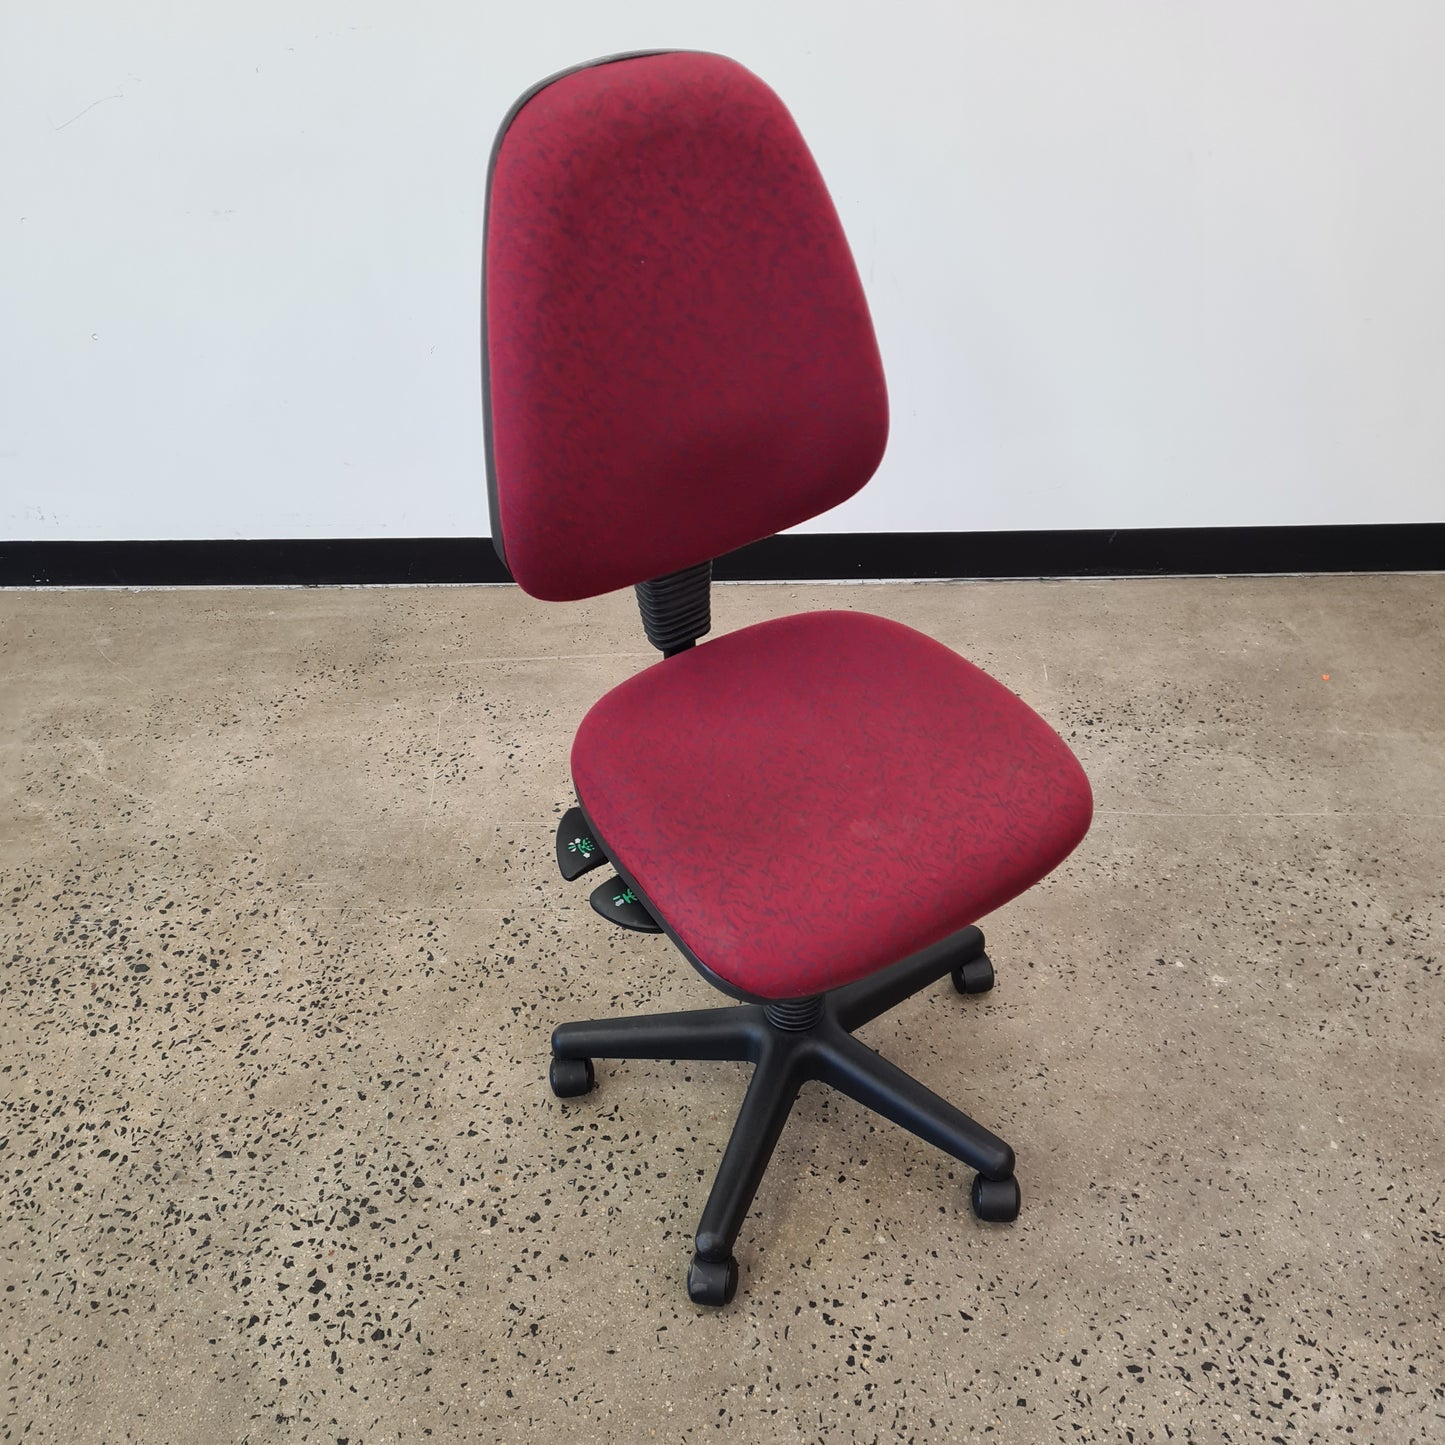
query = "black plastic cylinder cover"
x=677 y=609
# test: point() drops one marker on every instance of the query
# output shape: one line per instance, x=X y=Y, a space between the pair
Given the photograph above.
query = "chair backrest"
x=678 y=357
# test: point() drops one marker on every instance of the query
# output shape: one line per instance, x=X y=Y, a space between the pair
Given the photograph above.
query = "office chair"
x=678 y=360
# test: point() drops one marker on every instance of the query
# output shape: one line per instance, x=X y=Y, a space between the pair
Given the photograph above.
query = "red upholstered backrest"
x=678 y=353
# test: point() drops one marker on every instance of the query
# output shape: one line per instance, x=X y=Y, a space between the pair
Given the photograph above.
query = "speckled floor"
x=283 y=943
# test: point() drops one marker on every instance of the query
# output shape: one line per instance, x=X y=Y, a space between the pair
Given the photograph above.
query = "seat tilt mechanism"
x=579 y=852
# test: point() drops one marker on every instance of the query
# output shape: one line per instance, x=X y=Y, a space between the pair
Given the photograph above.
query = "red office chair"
x=679 y=360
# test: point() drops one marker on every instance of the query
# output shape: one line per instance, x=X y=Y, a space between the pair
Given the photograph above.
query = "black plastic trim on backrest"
x=498 y=544
x=677 y=609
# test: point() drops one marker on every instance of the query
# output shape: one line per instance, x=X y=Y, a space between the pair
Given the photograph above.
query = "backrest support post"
x=677 y=609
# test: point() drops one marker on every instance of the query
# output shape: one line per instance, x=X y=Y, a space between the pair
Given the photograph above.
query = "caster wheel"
x=712 y=1281
x=571 y=1077
x=975 y=976
x=996 y=1200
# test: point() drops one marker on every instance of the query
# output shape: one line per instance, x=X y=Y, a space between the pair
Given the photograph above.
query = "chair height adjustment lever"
x=619 y=904
x=578 y=852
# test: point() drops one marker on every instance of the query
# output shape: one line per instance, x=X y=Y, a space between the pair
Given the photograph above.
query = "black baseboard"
x=1131 y=552
x=330 y=562
x=1127 y=552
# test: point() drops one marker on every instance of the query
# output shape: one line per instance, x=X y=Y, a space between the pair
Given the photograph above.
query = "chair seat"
x=808 y=800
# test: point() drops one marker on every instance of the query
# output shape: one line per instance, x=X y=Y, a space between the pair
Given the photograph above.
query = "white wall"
x=1132 y=264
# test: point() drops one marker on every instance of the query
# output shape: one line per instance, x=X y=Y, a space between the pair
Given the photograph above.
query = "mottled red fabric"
x=680 y=355
x=811 y=799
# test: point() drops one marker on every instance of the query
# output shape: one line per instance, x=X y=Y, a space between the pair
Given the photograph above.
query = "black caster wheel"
x=975 y=976
x=996 y=1200
x=712 y=1281
x=571 y=1077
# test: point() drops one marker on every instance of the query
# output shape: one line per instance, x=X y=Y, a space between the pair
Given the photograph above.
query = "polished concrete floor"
x=283 y=943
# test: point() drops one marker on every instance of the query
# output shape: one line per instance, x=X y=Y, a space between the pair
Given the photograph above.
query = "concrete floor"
x=283 y=944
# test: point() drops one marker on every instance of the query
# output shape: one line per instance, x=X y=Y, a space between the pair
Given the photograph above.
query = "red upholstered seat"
x=809 y=800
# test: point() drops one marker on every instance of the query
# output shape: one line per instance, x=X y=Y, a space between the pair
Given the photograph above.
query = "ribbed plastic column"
x=677 y=609
x=794 y=1014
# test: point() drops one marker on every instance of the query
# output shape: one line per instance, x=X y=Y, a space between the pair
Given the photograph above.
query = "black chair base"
x=792 y=1042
